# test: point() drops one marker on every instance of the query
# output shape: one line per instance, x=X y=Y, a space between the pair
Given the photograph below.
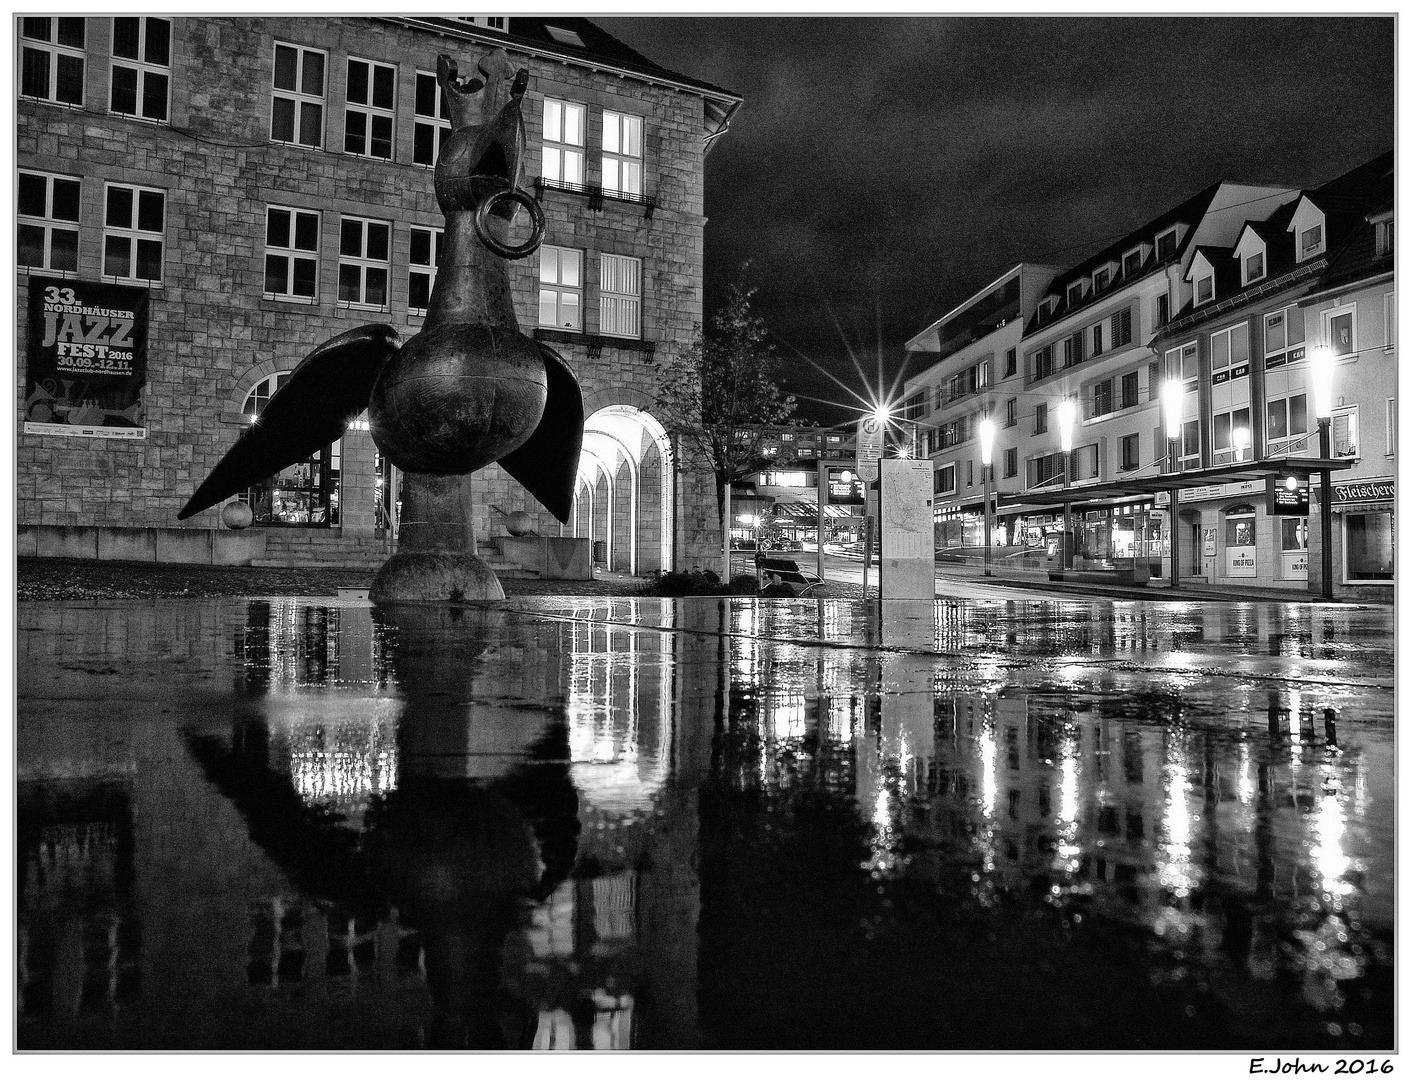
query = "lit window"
x=51 y=60
x=141 y=67
x=432 y=123
x=297 y=115
x=1283 y=337
x=364 y=262
x=561 y=288
x=1340 y=330
x=1344 y=432
x=564 y=124
x=1223 y=427
x=46 y=234
x=421 y=269
x=1229 y=354
x=1254 y=267
x=622 y=153
x=1184 y=363
x=134 y=228
x=620 y=299
x=291 y=254
x=367 y=121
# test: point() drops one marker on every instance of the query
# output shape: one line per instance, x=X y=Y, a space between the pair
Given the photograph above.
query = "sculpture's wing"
x=547 y=465
x=312 y=409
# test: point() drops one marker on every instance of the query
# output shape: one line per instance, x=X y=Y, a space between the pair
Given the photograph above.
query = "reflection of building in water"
x=307 y=946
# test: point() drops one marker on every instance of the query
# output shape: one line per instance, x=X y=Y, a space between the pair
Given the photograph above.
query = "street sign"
x=869 y=447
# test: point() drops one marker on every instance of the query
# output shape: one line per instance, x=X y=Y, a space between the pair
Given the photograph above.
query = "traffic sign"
x=869 y=447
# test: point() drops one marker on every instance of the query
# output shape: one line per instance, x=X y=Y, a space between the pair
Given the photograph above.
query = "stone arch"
x=620 y=436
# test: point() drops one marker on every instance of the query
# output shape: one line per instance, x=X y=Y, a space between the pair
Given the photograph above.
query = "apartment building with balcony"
x=235 y=190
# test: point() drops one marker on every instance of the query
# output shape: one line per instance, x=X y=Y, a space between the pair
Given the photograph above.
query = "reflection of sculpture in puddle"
x=456 y=855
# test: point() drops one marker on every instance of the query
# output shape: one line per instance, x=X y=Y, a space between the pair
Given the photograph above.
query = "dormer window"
x=1204 y=289
x=1252 y=255
x=1254 y=267
x=1075 y=293
x=1310 y=241
x=1047 y=307
x=1132 y=263
x=565 y=37
x=486 y=22
x=1166 y=244
x=1385 y=237
x=1100 y=279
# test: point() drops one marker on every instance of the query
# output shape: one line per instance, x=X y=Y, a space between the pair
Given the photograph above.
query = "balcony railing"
x=596 y=195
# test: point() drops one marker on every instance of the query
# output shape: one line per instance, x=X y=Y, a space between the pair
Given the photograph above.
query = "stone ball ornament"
x=237 y=515
x=519 y=523
x=470 y=388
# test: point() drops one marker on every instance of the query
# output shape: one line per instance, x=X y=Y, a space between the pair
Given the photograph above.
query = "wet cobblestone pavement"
x=300 y=823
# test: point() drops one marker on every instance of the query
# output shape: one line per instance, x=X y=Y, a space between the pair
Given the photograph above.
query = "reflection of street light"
x=1239 y=439
x=987 y=445
x=1173 y=400
x=1320 y=369
x=1067 y=413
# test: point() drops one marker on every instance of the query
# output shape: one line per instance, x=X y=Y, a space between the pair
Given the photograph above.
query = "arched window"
x=303 y=494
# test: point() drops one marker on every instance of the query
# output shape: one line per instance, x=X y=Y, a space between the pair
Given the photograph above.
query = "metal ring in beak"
x=536 y=217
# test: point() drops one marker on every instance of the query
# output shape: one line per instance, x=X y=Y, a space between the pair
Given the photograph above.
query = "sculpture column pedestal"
x=435 y=559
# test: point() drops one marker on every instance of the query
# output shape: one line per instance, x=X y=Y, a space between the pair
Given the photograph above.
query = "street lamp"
x=1321 y=363
x=1173 y=400
x=1067 y=414
x=987 y=446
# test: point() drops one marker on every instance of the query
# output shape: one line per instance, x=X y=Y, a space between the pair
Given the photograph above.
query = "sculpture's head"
x=484 y=153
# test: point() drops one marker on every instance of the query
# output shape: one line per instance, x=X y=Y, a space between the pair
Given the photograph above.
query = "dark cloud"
x=882 y=170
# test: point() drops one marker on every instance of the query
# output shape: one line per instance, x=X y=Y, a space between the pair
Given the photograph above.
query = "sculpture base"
x=434 y=577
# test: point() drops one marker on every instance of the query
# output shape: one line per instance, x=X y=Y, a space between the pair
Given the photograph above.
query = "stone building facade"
x=273 y=179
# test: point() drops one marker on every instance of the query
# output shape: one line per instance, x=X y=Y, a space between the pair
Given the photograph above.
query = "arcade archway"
x=624 y=499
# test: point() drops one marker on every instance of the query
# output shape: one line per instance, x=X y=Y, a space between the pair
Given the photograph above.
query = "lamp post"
x=1320 y=365
x=987 y=446
x=1173 y=399
x=1067 y=414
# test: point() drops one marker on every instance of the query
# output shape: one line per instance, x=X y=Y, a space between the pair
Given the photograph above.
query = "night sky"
x=881 y=171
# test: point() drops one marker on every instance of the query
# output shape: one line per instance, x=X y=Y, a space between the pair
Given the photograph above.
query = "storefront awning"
x=1138 y=486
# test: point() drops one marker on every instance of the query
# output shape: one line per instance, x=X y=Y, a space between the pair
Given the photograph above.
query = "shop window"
x=1369 y=541
x=560 y=288
x=141 y=74
x=52 y=59
x=371 y=108
x=622 y=153
x=431 y=122
x=564 y=127
x=297 y=112
x=425 y=257
x=1283 y=337
x=134 y=230
x=364 y=262
x=291 y=254
x=46 y=233
x=1240 y=558
x=303 y=494
x=1293 y=547
x=620 y=296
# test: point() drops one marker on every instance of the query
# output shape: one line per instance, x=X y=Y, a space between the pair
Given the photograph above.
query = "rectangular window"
x=1166 y=244
x=1043 y=362
x=1286 y=421
x=1163 y=310
x=1122 y=328
x=561 y=288
x=1131 y=451
x=297 y=115
x=970 y=473
x=1190 y=443
x=1101 y=401
x=1100 y=279
x=1184 y=363
x=945 y=480
x=291 y=254
x=367 y=120
x=1310 y=241
x=1046 y=469
x=1131 y=395
x=1283 y=337
x=1153 y=381
x=620 y=296
x=1075 y=294
x=1229 y=354
x=1371 y=546
x=1040 y=418
x=1253 y=267
x=564 y=126
x=1230 y=433
x=141 y=74
x=1011 y=362
x=134 y=230
x=1391 y=427
x=1011 y=461
x=51 y=59
x=1132 y=263
x=1389 y=320
x=432 y=120
x=1344 y=432
x=1340 y=330
x=1097 y=339
x=1073 y=349
x=364 y=262
x=46 y=233
x=1205 y=289
x=421 y=268
x=622 y=153
x=1011 y=412
x=1386 y=237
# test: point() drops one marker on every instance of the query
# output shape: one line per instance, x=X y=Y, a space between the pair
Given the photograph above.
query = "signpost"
x=869 y=452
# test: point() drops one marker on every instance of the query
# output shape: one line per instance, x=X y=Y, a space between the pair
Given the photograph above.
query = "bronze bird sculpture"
x=470 y=388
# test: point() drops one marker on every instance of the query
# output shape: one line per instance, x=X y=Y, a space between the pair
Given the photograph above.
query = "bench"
x=785 y=572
